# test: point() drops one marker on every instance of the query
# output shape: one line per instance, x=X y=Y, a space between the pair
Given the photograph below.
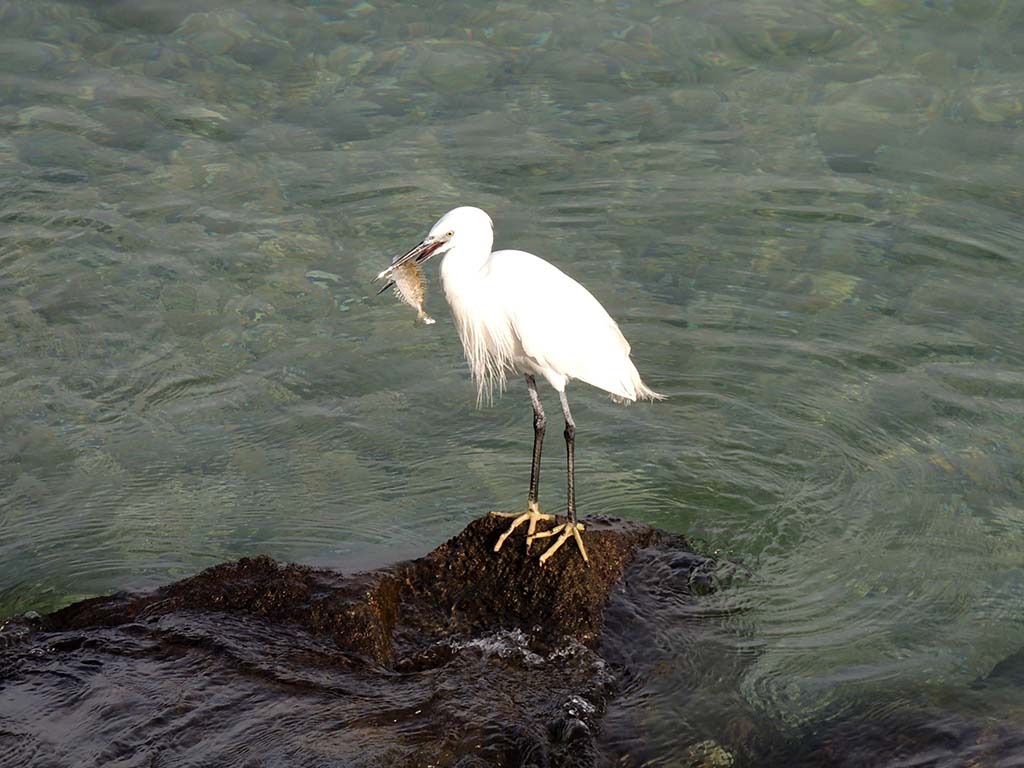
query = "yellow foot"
x=566 y=530
x=533 y=514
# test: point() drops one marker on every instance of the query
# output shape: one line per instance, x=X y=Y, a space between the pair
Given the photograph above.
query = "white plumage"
x=516 y=313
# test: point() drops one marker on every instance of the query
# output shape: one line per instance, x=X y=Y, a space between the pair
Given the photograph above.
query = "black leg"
x=570 y=440
x=570 y=529
x=539 y=424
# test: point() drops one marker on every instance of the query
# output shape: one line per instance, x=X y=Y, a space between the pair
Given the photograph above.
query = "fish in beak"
x=404 y=274
x=419 y=254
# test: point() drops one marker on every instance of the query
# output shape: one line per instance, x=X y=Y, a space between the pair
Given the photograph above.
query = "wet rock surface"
x=460 y=658
x=463 y=657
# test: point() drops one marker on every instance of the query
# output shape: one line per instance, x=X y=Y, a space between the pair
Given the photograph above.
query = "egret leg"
x=540 y=423
x=570 y=443
x=571 y=528
x=533 y=513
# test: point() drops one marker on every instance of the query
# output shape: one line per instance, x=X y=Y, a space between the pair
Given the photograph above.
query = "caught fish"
x=409 y=287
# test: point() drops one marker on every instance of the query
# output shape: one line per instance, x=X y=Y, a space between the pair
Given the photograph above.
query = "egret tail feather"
x=643 y=392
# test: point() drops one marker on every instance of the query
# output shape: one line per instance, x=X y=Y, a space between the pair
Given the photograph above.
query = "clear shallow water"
x=805 y=216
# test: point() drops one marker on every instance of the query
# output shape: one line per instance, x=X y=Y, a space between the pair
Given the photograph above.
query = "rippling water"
x=806 y=216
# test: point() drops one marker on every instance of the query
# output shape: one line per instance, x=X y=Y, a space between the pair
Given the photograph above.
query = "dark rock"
x=464 y=657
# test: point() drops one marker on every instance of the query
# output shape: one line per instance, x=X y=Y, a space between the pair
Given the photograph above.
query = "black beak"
x=423 y=251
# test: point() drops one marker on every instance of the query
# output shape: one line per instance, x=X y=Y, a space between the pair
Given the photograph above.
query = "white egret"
x=516 y=313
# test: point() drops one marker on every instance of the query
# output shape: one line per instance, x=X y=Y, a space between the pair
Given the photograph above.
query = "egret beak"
x=423 y=251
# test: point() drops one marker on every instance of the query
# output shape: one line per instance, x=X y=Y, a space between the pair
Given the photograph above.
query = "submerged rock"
x=455 y=67
x=998 y=103
x=463 y=657
x=788 y=30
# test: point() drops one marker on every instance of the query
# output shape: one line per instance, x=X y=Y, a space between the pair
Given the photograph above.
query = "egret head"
x=464 y=227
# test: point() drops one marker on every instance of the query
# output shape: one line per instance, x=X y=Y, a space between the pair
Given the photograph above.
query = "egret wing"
x=561 y=326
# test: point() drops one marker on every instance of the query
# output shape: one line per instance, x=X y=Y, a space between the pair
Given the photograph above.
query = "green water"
x=806 y=216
